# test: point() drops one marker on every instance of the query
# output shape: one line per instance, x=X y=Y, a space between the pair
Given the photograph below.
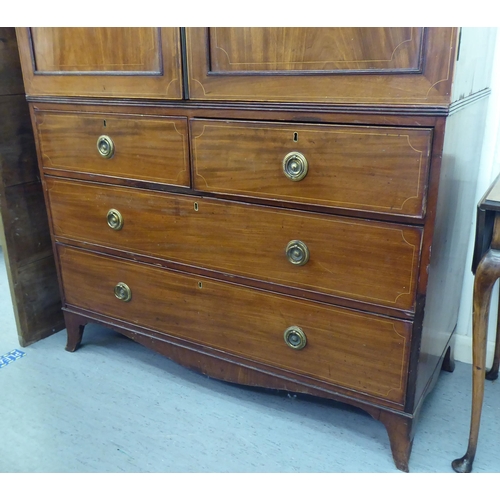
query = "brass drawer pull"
x=295 y=166
x=105 y=146
x=297 y=252
x=115 y=219
x=295 y=337
x=123 y=292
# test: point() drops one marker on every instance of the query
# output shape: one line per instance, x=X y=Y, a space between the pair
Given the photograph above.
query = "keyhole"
x=295 y=137
x=104 y=123
x=196 y=206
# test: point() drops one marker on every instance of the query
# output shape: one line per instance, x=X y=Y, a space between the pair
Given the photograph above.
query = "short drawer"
x=366 y=261
x=374 y=169
x=354 y=350
x=146 y=148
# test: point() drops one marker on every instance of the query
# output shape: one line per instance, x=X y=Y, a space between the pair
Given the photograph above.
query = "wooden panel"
x=364 y=168
x=146 y=148
x=475 y=63
x=456 y=206
x=17 y=147
x=315 y=49
x=359 y=351
x=30 y=262
x=356 y=82
x=39 y=301
x=11 y=79
x=365 y=261
x=25 y=234
x=130 y=50
x=25 y=220
x=106 y=62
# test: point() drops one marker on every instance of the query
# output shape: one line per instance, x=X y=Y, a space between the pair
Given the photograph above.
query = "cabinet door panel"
x=112 y=49
x=332 y=65
x=108 y=62
x=315 y=49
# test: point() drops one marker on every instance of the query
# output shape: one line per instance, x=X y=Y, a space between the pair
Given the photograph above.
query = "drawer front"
x=361 y=260
x=346 y=348
x=145 y=148
x=382 y=170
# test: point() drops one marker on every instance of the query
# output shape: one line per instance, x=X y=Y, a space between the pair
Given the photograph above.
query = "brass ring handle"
x=115 y=219
x=105 y=146
x=295 y=166
x=295 y=338
x=123 y=292
x=297 y=252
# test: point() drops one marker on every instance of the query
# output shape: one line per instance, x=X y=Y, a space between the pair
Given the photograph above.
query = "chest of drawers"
x=260 y=204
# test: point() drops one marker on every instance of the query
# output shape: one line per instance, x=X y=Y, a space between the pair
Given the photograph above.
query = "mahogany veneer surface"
x=202 y=120
x=398 y=65
x=146 y=148
x=101 y=61
x=359 y=351
x=363 y=168
x=364 y=260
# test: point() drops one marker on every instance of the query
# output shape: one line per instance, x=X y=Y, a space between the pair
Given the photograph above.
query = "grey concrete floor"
x=115 y=406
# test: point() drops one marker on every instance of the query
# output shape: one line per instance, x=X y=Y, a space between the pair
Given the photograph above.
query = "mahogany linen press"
x=285 y=208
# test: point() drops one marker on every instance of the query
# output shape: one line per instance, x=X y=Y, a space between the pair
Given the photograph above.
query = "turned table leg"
x=487 y=273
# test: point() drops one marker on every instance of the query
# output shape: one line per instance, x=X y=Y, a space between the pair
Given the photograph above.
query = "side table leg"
x=492 y=374
x=487 y=273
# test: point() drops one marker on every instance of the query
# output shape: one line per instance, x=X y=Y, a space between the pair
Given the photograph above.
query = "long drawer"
x=136 y=147
x=361 y=260
x=350 y=349
x=374 y=169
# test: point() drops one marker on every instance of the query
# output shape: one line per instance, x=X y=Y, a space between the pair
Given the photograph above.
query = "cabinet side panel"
x=473 y=66
x=457 y=189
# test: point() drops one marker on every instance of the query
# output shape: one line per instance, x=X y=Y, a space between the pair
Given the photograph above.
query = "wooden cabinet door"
x=107 y=62
x=331 y=65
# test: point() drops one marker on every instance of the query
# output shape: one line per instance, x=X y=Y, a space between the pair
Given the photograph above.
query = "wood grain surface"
x=11 y=78
x=25 y=236
x=361 y=80
x=362 y=260
x=356 y=350
x=131 y=50
x=315 y=49
x=146 y=148
x=366 y=168
x=101 y=61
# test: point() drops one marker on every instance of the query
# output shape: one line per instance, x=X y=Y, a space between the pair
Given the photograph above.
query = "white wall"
x=489 y=169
